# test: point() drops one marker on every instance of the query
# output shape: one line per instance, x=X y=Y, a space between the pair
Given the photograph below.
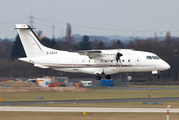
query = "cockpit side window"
x=155 y=57
x=152 y=57
x=149 y=57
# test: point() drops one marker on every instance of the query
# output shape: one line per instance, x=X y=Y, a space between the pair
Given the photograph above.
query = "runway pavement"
x=88 y=109
x=89 y=101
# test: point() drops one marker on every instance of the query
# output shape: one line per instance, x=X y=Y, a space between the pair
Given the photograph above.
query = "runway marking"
x=89 y=109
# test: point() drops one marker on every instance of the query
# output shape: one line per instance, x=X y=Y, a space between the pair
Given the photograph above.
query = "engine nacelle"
x=104 y=55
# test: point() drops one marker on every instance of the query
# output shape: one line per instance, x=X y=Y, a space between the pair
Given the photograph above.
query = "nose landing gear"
x=156 y=74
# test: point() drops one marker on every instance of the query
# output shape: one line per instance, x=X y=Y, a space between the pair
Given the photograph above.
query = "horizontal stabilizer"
x=21 y=26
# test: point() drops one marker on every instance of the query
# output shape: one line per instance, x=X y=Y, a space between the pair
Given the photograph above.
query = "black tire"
x=108 y=77
x=157 y=76
x=98 y=77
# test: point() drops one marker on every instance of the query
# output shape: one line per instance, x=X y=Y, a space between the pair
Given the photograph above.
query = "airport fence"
x=21 y=82
x=96 y=83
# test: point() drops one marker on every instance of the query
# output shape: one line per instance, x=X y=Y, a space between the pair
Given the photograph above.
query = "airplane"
x=98 y=62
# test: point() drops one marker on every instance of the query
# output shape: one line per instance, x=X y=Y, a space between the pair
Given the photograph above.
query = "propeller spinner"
x=118 y=55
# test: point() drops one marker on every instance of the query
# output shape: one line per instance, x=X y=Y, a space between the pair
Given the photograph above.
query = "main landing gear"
x=99 y=77
x=108 y=77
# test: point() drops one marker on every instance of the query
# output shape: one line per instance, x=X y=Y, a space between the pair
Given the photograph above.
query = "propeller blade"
x=118 y=55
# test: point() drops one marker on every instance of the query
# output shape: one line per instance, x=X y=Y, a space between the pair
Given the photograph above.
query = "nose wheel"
x=157 y=76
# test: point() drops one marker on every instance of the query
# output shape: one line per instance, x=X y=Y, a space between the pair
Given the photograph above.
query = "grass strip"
x=79 y=95
x=173 y=104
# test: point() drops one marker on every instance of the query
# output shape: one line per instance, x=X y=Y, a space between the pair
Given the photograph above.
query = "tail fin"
x=30 y=42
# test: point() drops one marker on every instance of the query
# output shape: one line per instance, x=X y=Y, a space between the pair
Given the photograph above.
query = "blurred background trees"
x=17 y=49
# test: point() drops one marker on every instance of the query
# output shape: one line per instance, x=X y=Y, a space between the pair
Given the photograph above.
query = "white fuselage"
x=97 y=62
x=131 y=61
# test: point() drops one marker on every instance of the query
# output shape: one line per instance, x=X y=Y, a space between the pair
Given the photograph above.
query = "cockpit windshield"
x=152 y=57
x=149 y=57
x=155 y=57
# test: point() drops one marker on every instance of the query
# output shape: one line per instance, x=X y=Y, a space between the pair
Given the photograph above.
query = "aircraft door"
x=138 y=60
x=75 y=64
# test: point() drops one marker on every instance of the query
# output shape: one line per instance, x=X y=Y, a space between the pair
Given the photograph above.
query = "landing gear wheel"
x=98 y=77
x=157 y=76
x=108 y=77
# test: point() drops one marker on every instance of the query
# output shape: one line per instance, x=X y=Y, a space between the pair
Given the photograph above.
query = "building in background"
x=40 y=35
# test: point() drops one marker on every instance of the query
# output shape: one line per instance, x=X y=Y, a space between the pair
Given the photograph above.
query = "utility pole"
x=31 y=20
x=53 y=29
x=62 y=33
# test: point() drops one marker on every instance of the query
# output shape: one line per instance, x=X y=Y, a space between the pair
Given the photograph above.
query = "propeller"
x=118 y=55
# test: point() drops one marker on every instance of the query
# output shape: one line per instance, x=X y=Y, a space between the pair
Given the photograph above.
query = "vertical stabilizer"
x=30 y=42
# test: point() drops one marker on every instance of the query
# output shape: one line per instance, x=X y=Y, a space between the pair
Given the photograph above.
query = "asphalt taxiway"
x=89 y=101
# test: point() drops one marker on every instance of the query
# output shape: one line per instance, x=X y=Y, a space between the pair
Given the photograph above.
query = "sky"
x=92 y=17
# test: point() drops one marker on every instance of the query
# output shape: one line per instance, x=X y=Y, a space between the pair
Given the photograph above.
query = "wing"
x=106 y=55
x=88 y=52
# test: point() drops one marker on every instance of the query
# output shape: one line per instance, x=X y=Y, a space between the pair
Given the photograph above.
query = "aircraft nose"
x=166 y=66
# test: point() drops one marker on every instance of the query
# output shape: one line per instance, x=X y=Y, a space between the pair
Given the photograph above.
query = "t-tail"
x=30 y=42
